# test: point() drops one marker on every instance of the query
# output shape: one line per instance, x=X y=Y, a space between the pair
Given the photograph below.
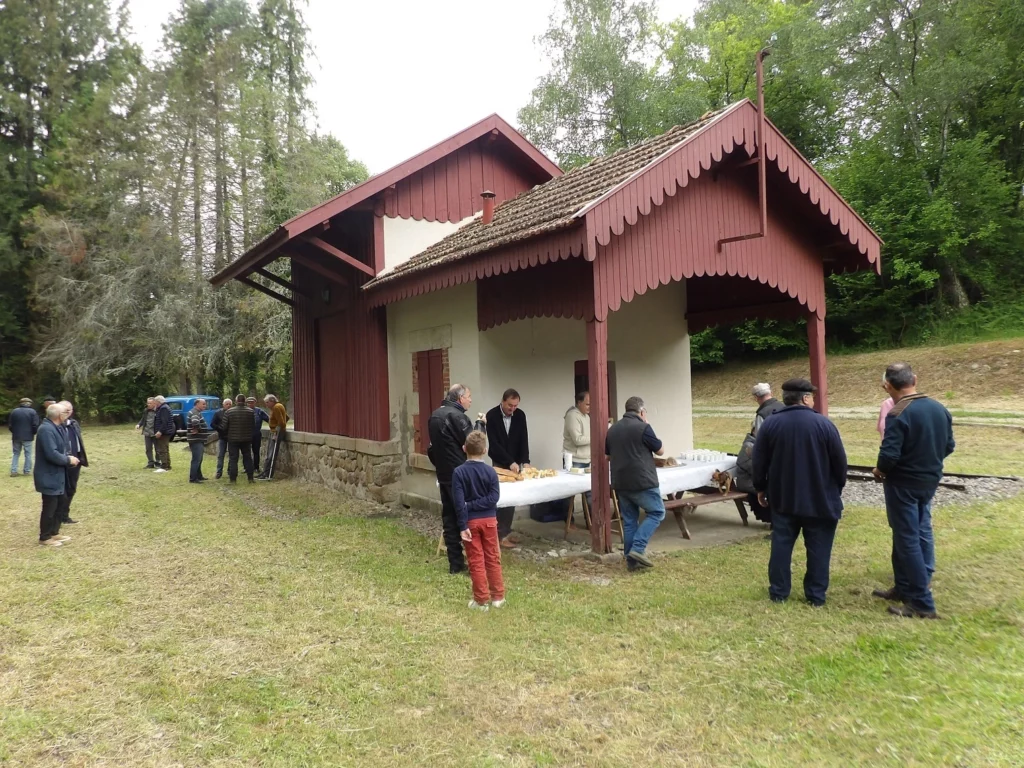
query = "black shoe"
x=252 y=481
x=233 y=482
x=150 y=466
x=200 y=480
x=640 y=558
x=69 y=521
x=891 y=594
x=909 y=612
x=779 y=599
x=218 y=476
x=815 y=604
x=454 y=569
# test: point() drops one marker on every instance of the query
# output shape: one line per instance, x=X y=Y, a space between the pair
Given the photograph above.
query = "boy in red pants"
x=475 y=491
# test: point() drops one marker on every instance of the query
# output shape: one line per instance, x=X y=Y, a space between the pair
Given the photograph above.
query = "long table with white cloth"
x=688 y=476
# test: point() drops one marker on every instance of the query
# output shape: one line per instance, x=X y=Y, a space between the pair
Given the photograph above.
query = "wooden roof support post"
x=819 y=368
x=600 y=506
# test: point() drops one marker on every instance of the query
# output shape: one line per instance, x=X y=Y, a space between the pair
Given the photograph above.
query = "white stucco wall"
x=404 y=238
x=649 y=342
x=437 y=320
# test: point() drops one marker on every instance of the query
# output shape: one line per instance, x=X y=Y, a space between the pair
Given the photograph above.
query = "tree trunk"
x=953 y=289
x=197 y=203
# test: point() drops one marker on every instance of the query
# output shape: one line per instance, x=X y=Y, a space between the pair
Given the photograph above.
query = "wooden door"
x=430 y=375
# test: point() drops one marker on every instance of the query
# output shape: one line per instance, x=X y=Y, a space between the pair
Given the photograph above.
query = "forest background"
x=127 y=181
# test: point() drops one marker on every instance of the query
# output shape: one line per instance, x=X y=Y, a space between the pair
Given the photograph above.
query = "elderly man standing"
x=576 y=434
x=50 y=475
x=239 y=428
x=278 y=425
x=508 y=445
x=631 y=445
x=259 y=418
x=800 y=470
x=918 y=438
x=145 y=425
x=219 y=425
x=23 y=423
x=766 y=406
x=195 y=426
x=76 y=447
x=163 y=431
x=448 y=427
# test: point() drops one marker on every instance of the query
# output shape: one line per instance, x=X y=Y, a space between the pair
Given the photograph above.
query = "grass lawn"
x=280 y=625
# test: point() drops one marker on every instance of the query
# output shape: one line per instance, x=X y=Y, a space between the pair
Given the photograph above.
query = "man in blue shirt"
x=918 y=438
x=631 y=445
x=800 y=470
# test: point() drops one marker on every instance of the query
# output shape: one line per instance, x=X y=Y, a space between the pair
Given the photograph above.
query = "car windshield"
x=174 y=406
x=213 y=403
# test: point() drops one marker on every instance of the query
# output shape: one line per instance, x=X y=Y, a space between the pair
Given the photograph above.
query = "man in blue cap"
x=800 y=470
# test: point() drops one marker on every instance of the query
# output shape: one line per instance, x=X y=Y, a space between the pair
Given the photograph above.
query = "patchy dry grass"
x=982 y=450
x=980 y=376
x=279 y=625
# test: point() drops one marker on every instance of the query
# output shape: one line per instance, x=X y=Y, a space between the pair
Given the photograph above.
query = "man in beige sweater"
x=576 y=433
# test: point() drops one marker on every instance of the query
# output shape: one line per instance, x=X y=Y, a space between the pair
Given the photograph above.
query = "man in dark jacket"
x=50 y=475
x=766 y=406
x=800 y=470
x=448 y=427
x=76 y=447
x=163 y=431
x=260 y=417
x=195 y=426
x=508 y=445
x=23 y=423
x=219 y=425
x=631 y=446
x=239 y=430
x=918 y=438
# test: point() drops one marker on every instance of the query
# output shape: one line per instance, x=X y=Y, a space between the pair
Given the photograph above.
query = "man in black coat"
x=448 y=427
x=23 y=423
x=76 y=447
x=239 y=422
x=259 y=418
x=766 y=406
x=800 y=470
x=163 y=431
x=219 y=425
x=50 y=475
x=508 y=445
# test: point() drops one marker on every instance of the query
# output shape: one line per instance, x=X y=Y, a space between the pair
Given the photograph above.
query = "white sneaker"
x=158 y=471
x=51 y=542
x=498 y=603
x=62 y=539
x=475 y=606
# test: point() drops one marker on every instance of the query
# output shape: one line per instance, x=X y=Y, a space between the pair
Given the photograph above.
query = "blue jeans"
x=195 y=470
x=222 y=449
x=913 y=544
x=819 y=533
x=19 y=446
x=636 y=535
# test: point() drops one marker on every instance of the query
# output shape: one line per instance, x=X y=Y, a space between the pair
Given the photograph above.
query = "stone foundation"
x=365 y=469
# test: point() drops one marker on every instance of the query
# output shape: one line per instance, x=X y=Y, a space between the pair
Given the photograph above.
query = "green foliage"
x=914 y=110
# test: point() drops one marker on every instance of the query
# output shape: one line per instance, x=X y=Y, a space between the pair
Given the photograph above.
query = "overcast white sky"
x=393 y=78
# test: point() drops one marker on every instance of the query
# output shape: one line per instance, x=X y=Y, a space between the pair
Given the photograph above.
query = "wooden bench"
x=683 y=505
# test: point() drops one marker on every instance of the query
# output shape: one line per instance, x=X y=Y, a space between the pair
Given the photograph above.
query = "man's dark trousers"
x=195 y=470
x=257 y=443
x=819 y=533
x=913 y=548
x=246 y=450
x=51 y=515
x=71 y=488
x=450 y=526
x=505 y=517
x=222 y=449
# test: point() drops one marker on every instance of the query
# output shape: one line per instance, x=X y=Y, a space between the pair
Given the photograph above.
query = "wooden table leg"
x=680 y=513
x=743 y=510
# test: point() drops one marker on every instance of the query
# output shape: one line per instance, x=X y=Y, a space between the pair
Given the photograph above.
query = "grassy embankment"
x=281 y=625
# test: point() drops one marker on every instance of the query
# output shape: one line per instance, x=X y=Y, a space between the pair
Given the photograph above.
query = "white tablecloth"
x=564 y=484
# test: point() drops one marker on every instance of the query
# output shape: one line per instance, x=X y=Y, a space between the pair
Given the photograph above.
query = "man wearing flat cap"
x=800 y=470
x=766 y=406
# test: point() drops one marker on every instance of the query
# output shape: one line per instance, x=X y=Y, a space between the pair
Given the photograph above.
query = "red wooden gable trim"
x=638 y=195
x=559 y=289
x=552 y=247
x=383 y=181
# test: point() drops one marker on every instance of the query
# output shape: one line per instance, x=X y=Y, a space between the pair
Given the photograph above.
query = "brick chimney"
x=488 y=215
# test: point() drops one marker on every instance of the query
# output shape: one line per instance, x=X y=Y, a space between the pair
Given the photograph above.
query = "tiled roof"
x=547 y=207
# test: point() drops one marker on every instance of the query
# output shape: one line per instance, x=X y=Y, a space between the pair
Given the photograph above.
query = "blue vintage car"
x=182 y=404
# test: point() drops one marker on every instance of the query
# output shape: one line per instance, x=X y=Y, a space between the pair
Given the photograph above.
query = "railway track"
x=862 y=473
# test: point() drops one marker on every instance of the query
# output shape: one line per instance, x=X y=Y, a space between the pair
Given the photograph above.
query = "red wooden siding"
x=339 y=360
x=559 y=289
x=552 y=247
x=304 y=385
x=449 y=189
x=679 y=240
x=687 y=161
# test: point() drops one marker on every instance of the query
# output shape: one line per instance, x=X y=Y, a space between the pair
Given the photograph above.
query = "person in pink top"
x=886 y=407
